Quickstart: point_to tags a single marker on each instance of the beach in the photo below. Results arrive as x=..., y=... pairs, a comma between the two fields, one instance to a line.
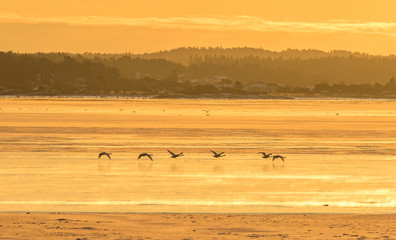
x=89, y=226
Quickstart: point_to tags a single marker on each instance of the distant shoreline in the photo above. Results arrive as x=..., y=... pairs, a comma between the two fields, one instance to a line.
x=205, y=96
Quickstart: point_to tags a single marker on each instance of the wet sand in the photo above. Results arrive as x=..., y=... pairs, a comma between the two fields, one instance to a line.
x=340, y=159
x=91, y=226
x=340, y=155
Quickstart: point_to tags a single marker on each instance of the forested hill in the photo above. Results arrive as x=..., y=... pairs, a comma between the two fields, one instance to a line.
x=192, y=67
x=185, y=55
x=294, y=67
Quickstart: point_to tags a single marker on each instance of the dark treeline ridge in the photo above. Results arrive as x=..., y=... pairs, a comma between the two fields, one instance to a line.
x=198, y=71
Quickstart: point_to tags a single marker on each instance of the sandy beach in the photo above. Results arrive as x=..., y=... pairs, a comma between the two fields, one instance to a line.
x=195, y=226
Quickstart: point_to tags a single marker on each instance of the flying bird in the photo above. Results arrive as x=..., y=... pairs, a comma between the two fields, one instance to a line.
x=217, y=155
x=147, y=155
x=175, y=155
x=278, y=156
x=104, y=153
x=265, y=155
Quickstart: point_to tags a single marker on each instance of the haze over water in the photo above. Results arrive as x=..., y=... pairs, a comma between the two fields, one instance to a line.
x=340, y=155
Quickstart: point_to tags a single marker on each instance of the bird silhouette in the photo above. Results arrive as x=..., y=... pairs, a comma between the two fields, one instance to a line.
x=265, y=155
x=104, y=153
x=217, y=155
x=175, y=155
x=278, y=156
x=147, y=155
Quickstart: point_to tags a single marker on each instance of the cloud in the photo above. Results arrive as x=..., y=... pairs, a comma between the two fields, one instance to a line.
x=237, y=23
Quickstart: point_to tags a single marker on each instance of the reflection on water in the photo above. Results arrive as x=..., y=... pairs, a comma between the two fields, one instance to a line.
x=342, y=163
x=104, y=165
x=145, y=166
x=273, y=167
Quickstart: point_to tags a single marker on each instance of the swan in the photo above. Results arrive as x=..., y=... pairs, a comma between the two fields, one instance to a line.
x=217, y=155
x=278, y=156
x=175, y=155
x=104, y=153
x=146, y=154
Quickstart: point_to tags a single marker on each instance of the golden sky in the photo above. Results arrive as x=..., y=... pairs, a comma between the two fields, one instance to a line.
x=139, y=26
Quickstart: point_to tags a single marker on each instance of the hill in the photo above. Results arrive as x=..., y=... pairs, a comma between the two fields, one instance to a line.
x=207, y=71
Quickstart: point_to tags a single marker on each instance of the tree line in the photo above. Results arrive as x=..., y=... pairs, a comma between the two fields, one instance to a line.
x=293, y=67
x=294, y=72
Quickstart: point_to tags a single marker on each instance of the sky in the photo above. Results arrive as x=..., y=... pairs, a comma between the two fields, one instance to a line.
x=138, y=26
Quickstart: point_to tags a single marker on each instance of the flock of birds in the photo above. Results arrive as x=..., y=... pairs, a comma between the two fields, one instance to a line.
x=215, y=155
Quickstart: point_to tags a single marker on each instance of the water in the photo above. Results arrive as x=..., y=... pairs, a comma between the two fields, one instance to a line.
x=340, y=155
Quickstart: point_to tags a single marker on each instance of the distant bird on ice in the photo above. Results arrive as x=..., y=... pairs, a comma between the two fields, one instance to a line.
x=278, y=156
x=217, y=155
x=265, y=155
x=147, y=155
x=175, y=155
x=104, y=153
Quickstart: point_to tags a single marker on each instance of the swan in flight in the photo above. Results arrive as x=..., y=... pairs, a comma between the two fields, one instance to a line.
x=146, y=154
x=217, y=155
x=278, y=156
x=104, y=153
x=265, y=155
x=175, y=155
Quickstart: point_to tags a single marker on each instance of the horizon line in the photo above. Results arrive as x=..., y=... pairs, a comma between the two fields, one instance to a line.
x=202, y=48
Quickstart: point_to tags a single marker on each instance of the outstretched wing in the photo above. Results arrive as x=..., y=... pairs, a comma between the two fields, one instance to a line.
x=142, y=154
x=171, y=152
x=100, y=154
x=221, y=153
x=213, y=152
x=108, y=155
x=149, y=156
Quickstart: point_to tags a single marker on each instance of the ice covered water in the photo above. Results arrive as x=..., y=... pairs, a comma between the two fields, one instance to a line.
x=340, y=155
